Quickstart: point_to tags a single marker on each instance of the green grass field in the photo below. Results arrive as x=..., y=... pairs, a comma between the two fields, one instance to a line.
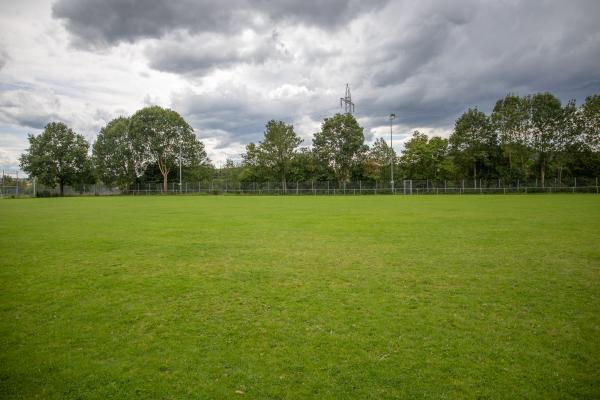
x=300, y=297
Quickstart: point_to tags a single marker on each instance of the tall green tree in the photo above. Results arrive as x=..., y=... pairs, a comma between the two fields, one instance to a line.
x=510, y=119
x=416, y=157
x=57, y=156
x=377, y=164
x=340, y=145
x=472, y=142
x=549, y=129
x=589, y=122
x=252, y=167
x=425, y=158
x=162, y=137
x=231, y=172
x=277, y=150
x=584, y=154
x=305, y=166
x=112, y=154
x=441, y=163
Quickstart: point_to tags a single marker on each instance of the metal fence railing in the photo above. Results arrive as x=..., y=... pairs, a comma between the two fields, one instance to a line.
x=29, y=188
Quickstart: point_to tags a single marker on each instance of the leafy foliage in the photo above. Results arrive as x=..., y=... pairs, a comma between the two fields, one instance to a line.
x=523, y=138
x=57, y=156
x=472, y=142
x=340, y=145
x=113, y=153
x=162, y=137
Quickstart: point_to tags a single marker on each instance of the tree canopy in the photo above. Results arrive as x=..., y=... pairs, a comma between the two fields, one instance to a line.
x=162, y=137
x=524, y=137
x=340, y=145
x=57, y=156
x=112, y=154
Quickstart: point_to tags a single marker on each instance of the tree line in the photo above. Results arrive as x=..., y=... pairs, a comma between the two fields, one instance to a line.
x=529, y=137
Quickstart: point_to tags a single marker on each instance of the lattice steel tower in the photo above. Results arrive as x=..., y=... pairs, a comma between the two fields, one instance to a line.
x=346, y=101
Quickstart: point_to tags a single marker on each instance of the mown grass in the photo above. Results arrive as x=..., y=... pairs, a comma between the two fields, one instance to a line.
x=300, y=297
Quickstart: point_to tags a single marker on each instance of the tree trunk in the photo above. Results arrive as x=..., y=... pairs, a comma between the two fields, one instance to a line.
x=560, y=173
x=62, y=188
x=475, y=174
x=543, y=172
x=165, y=183
x=283, y=183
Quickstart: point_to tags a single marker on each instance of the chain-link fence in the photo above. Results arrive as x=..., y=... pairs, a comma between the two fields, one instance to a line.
x=30, y=188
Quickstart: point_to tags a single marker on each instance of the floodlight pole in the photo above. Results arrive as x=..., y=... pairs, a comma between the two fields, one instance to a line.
x=392, y=116
x=180, y=184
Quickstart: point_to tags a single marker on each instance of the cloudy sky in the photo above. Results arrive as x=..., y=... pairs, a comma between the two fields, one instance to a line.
x=229, y=66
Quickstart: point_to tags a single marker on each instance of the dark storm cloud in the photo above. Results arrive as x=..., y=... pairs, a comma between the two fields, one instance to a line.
x=226, y=119
x=427, y=61
x=107, y=22
x=180, y=54
x=228, y=116
x=445, y=60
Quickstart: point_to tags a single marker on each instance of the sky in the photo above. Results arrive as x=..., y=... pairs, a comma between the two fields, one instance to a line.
x=230, y=66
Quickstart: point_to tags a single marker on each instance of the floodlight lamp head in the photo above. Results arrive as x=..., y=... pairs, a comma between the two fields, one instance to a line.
x=392, y=116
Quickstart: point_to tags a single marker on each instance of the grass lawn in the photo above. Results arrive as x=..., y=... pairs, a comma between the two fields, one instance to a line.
x=363, y=297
